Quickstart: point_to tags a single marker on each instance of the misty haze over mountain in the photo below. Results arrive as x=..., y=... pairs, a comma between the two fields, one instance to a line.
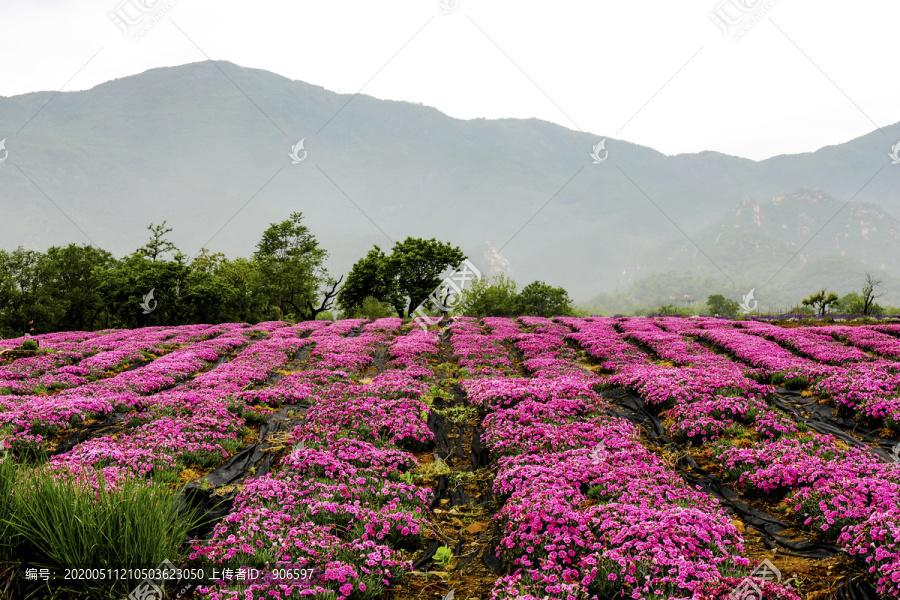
x=522, y=197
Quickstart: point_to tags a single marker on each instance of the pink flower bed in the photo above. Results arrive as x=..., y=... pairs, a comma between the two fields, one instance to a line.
x=339, y=506
x=840, y=492
x=590, y=512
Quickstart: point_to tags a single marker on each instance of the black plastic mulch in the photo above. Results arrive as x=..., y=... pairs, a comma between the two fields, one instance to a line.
x=632, y=407
x=856, y=589
x=138, y=365
x=113, y=423
x=426, y=556
x=823, y=418
x=459, y=445
x=255, y=460
x=252, y=462
x=355, y=332
x=301, y=355
x=379, y=360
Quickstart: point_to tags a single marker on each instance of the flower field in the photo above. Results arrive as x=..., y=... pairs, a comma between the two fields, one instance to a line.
x=573, y=458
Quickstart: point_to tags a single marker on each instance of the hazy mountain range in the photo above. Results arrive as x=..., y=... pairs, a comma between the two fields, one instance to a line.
x=200, y=143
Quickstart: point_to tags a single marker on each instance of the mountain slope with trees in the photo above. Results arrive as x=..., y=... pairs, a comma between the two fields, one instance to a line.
x=184, y=144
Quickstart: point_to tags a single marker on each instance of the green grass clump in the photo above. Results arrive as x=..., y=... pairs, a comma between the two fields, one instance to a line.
x=51, y=520
x=7, y=481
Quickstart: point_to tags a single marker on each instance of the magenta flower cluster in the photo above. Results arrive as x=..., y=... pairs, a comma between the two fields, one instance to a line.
x=339, y=506
x=846, y=494
x=590, y=512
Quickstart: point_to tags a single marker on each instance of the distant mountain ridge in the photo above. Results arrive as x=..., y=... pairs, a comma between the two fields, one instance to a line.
x=186, y=145
x=754, y=241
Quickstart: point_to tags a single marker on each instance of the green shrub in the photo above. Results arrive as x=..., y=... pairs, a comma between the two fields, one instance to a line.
x=29, y=345
x=251, y=417
x=58, y=522
x=669, y=310
x=795, y=382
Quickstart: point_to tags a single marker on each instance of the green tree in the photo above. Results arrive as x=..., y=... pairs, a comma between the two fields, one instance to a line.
x=404, y=279
x=370, y=308
x=144, y=288
x=496, y=297
x=851, y=304
x=820, y=301
x=250, y=304
x=57, y=289
x=158, y=244
x=126, y=286
x=370, y=277
x=537, y=299
x=81, y=287
x=8, y=319
x=205, y=262
x=868, y=294
x=24, y=293
x=418, y=265
x=291, y=269
x=854, y=304
x=205, y=298
x=720, y=305
x=71, y=281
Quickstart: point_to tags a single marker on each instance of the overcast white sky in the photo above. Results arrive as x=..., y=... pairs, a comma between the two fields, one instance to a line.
x=654, y=72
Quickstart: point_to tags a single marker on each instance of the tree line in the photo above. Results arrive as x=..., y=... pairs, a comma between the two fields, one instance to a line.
x=818, y=303
x=83, y=288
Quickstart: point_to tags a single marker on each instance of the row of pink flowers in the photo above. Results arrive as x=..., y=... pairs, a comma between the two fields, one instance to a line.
x=479, y=354
x=178, y=426
x=590, y=512
x=339, y=507
x=846, y=494
x=29, y=419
